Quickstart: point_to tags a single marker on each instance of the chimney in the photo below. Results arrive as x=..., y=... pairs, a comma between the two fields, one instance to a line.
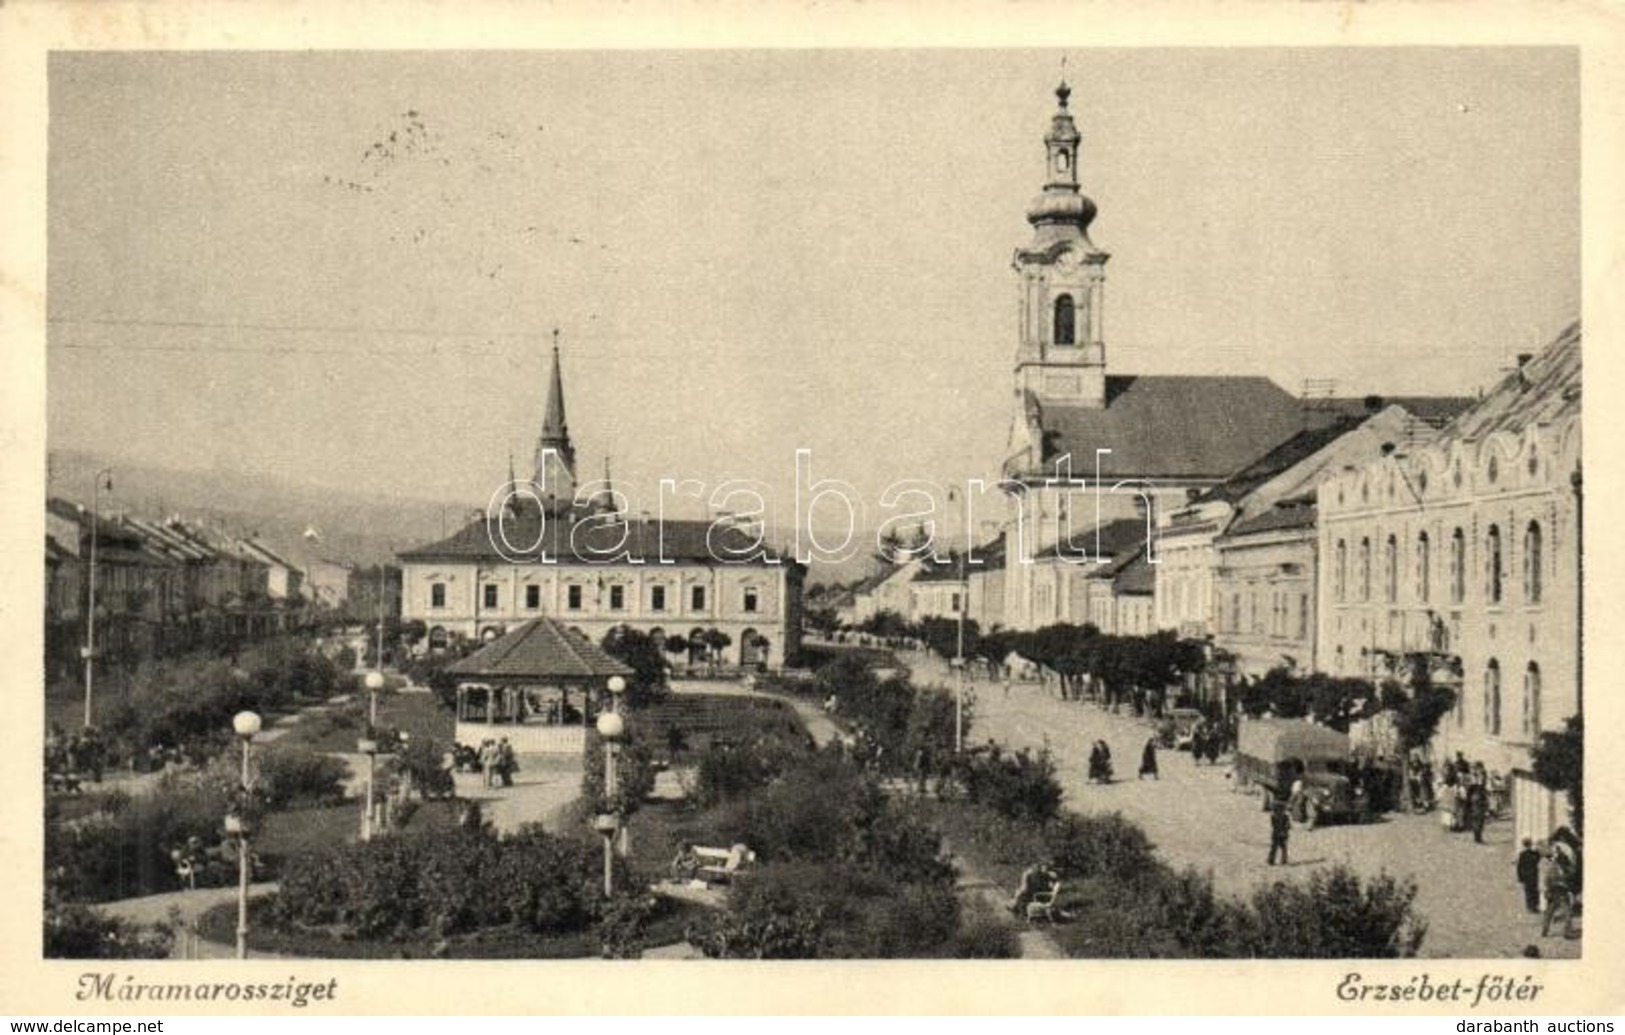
x=1524, y=358
x=1373, y=403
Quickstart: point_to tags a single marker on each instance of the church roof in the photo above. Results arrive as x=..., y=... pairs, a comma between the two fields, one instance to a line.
x=589, y=541
x=541, y=648
x=1171, y=426
x=1134, y=576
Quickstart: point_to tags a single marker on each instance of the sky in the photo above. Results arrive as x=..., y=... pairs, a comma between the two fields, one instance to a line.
x=346, y=268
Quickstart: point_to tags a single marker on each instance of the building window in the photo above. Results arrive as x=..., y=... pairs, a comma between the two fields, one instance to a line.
x=1531, y=701
x=1303, y=616
x=953, y=608
x=1458, y=566
x=1424, y=569
x=1365, y=570
x=1390, y=575
x=572, y=598
x=617, y=598
x=1235, y=612
x=696, y=598
x=533, y=597
x=1531, y=563
x=1065, y=317
x=1492, y=565
x=753, y=599
x=657, y=598
x=490, y=595
x=1492, y=698
x=1340, y=573
x=437, y=595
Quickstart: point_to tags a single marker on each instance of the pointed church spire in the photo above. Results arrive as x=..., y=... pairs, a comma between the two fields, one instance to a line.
x=555, y=476
x=606, y=495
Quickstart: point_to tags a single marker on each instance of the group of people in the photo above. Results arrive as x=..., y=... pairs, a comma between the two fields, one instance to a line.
x=1466, y=791
x=1552, y=868
x=71, y=757
x=1210, y=739
x=493, y=759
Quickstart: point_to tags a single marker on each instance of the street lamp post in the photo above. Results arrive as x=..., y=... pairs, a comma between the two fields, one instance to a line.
x=105, y=474
x=246, y=725
x=959, y=658
x=611, y=727
x=368, y=746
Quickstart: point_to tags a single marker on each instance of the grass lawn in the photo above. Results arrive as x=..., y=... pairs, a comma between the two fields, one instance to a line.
x=220, y=925
x=705, y=719
x=339, y=727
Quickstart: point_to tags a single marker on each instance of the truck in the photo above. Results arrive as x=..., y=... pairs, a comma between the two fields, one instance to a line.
x=1275, y=754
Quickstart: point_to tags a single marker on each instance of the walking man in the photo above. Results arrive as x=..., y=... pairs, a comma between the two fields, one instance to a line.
x=1529, y=875
x=1280, y=828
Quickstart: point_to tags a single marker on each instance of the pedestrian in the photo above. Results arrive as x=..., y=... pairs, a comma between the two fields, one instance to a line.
x=1529, y=875
x=1148, y=759
x=1280, y=829
x=507, y=764
x=1478, y=810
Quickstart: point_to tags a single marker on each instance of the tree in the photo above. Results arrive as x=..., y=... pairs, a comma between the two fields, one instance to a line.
x=638, y=650
x=1559, y=763
x=716, y=641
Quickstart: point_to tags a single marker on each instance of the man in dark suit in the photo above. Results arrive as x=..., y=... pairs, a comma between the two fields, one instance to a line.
x=1280, y=828
x=1529, y=875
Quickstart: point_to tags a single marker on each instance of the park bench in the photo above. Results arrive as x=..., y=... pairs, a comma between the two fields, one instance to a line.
x=1046, y=905
x=721, y=865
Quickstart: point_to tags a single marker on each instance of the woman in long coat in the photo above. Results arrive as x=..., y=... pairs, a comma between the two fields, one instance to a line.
x=1148, y=759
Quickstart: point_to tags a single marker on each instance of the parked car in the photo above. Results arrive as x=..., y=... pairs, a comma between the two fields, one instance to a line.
x=1182, y=725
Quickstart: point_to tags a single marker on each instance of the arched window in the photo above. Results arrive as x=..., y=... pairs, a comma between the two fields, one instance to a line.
x=1390, y=563
x=1340, y=573
x=1531, y=563
x=1492, y=698
x=1531, y=701
x=1365, y=569
x=1065, y=332
x=1458, y=566
x=1424, y=569
x=1492, y=565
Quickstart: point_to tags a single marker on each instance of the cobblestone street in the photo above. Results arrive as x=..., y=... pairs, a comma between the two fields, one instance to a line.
x=1467, y=892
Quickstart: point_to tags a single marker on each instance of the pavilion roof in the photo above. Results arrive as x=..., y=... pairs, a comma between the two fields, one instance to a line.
x=543, y=649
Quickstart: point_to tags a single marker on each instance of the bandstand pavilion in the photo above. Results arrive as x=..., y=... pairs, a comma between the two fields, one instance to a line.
x=540, y=686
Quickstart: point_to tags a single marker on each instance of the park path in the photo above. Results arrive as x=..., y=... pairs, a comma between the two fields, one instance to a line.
x=182, y=910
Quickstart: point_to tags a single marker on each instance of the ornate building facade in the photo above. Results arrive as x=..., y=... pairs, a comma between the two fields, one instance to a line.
x=593, y=568
x=1466, y=554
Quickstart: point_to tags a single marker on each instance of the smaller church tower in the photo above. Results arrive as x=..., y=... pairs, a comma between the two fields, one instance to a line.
x=554, y=474
x=1061, y=356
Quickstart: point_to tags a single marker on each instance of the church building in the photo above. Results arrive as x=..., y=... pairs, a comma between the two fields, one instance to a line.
x=1141, y=443
x=550, y=551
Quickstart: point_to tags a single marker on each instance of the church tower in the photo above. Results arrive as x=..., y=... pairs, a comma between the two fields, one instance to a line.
x=1061, y=356
x=554, y=475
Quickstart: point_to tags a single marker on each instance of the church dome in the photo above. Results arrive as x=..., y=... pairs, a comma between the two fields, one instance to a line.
x=1064, y=207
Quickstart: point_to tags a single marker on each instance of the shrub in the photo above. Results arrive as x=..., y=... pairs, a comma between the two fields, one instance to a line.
x=295, y=777
x=421, y=760
x=1106, y=846
x=444, y=883
x=127, y=853
x=808, y=911
x=1333, y=915
x=1020, y=786
x=79, y=932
